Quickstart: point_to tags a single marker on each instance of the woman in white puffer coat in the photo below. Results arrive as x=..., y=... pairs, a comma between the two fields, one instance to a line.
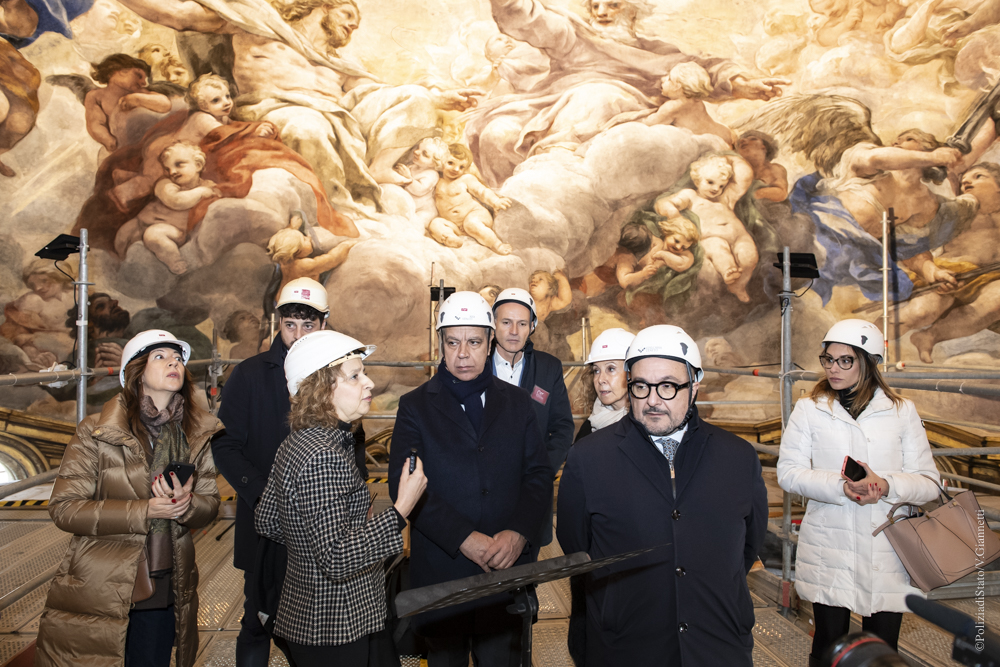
x=840, y=567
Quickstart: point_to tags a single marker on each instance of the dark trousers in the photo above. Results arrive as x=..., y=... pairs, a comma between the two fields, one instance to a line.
x=150, y=637
x=253, y=644
x=499, y=649
x=354, y=654
x=832, y=623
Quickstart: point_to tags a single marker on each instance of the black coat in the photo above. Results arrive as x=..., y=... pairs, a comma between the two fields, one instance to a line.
x=254, y=412
x=551, y=404
x=498, y=481
x=686, y=604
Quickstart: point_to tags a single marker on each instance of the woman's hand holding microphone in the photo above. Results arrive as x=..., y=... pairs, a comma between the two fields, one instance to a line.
x=411, y=487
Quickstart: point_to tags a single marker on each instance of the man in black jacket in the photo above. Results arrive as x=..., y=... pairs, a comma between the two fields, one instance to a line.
x=489, y=487
x=515, y=360
x=663, y=478
x=254, y=412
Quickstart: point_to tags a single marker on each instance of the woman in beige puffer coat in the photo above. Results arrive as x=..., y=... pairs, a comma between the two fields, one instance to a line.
x=109, y=494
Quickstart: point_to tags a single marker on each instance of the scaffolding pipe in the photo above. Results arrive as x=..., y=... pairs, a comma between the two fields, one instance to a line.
x=885, y=285
x=971, y=481
x=28, y=586
x=903, y=365
x=925, y=375
x=82, y=311
x=787, y=385
x=967, y=451
x=29, y=483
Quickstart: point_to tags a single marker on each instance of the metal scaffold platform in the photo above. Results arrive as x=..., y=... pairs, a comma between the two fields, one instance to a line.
x=30, y=545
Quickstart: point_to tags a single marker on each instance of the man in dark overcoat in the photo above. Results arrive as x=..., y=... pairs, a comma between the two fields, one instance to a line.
x=254, y=412
x=664, y=478
x=515, y=360
x=489, y=486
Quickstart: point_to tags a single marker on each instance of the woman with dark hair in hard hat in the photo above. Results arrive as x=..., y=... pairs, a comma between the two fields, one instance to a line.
x=133, y=483
x=317, y=504
x=852, y=412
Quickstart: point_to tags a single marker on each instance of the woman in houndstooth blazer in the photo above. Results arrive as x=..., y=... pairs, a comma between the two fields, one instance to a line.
x=317, y=504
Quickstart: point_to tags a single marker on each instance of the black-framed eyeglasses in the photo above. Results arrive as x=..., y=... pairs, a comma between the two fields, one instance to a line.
x=845, y=363
x=665, y=390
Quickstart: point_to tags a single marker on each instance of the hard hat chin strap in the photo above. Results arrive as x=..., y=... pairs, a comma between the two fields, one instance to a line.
x=691, y=396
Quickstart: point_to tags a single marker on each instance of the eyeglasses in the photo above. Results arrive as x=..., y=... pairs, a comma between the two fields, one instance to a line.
x=665, y=390
x=845, y=363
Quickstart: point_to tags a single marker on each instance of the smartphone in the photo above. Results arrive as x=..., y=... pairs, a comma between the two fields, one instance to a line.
x=852, y=470
x=413, y=460
x=182, y=470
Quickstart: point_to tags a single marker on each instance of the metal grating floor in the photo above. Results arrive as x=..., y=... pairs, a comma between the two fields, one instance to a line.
x=29, y=547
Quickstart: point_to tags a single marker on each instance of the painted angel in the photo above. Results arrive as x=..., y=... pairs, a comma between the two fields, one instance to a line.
x=857, y=179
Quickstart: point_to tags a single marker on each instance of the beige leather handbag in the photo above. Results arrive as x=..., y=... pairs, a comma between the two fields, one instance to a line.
x=943, y=545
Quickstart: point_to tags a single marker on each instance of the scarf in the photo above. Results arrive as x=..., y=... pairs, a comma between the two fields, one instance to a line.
x=468, y=393
x=846, y=398
x=168, y=444
x=605, y=415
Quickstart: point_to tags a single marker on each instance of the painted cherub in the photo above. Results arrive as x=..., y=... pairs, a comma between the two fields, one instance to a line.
x=719, y=182
x=758, y=149
x=36, y=320
x=647, y=254
x=295, y=254
x=162, y=225
x=551, y=292
x=424, y=171
x=242, y=329
x=125, y=80
x=172, y=70
x=457, y=197
x=212, y=103
x=686, y=87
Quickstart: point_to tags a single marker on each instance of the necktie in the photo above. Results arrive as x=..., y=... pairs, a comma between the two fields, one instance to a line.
x=669, y=448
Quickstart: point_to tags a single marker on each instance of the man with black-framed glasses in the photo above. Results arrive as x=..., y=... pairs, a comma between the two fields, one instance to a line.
x=664, y=478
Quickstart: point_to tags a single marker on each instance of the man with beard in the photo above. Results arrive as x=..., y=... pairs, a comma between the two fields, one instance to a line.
x=663, y=478
x=489, y=487
x=599, y=68
x=105, y=331
x=326, y=108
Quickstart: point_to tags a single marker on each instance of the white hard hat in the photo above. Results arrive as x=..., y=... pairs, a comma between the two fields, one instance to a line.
x=669, y=342
x=858, y=333
x=146, y=341
x=319, y=350
x=517, y=295
x=465, y=309
x=610, y=345
x=305, y=291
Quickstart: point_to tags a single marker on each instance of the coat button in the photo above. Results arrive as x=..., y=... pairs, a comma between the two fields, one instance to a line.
x=485, y=492
x=683, y=627
x=675, y=515
x=680, y=572
x=244, y=480
x=481, y=448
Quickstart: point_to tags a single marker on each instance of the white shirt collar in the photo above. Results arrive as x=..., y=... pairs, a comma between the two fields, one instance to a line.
x=511, y=374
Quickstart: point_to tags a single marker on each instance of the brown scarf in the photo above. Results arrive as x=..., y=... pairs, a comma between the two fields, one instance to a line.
x=168, y=444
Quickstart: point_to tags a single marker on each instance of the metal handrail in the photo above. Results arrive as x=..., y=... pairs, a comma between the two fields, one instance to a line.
x=28, y=483
x=27, y=587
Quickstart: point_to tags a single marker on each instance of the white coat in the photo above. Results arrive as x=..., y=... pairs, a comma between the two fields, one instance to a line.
x=839, y=563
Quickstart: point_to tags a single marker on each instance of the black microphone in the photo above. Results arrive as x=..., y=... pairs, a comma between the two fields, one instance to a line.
x=985, y=642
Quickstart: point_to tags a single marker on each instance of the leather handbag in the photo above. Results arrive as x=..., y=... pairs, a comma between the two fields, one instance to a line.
x=940, y=546
x=144, y=586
